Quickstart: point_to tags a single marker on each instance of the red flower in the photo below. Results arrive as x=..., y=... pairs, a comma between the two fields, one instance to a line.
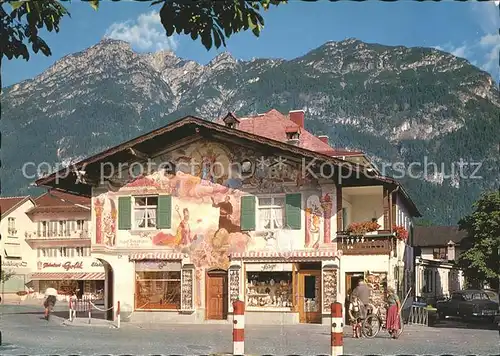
x=361, y=228
x=401, y=232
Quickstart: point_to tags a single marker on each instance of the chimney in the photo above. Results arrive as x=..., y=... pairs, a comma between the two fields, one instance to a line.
x=297, y=116
x=323, y=138
x=451, y=251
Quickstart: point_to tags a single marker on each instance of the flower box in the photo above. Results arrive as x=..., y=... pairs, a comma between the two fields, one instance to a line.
x=362, y=228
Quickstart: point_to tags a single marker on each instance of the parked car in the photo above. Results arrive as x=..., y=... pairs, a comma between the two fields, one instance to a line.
x=469, y=303
x=492, y=295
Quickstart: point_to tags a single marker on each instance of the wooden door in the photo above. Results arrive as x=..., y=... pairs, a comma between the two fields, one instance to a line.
x=216, y=295
x=310, y=296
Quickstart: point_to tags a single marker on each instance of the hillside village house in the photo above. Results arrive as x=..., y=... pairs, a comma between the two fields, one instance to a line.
x=436, y=251
x=229, y=215
x=61, y=244
x=17, y=256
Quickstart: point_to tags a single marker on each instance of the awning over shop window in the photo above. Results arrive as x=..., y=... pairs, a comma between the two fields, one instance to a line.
x=71, y=276
x=292, y=255
x=156, y=256
x=12, y=250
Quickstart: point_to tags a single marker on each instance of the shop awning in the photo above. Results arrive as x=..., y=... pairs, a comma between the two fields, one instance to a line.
x=12, y=250
x=293, y=255
x=156, y=256
x=90, y=276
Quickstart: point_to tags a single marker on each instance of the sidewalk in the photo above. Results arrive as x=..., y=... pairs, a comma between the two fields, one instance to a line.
x=84, y=322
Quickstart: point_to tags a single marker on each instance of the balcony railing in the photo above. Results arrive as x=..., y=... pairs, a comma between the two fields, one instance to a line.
x=77, y=234
x=380, y=242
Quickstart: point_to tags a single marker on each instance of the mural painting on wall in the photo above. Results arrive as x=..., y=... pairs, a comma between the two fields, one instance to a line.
x=314, y=219
x=106, y=214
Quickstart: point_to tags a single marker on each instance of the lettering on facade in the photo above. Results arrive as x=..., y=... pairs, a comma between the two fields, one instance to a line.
x=96, y=264
x=66, y=265
x=15, y=264
x=269, y=267
x=134, y=243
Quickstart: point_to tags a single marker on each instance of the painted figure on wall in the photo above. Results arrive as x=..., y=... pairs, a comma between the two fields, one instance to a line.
x=225, y=211
x=183, y=235
x=106, y=215
x=314, y=217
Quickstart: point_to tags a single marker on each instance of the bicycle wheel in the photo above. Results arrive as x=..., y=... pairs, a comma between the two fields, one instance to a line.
x=371, y=326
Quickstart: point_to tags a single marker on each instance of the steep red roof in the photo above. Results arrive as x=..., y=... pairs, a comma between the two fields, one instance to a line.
x=8, y=204
x=56, y=200
x=274, y=125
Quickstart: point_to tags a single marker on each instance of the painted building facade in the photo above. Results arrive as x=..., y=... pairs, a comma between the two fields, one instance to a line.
x=225, y=215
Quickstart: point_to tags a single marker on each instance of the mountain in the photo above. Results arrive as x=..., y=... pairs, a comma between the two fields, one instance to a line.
x=400, y=105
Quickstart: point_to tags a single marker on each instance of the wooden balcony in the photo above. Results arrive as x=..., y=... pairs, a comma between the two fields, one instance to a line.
x=380, y=243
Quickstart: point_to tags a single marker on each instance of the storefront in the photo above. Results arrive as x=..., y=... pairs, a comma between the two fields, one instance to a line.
x=84, y=276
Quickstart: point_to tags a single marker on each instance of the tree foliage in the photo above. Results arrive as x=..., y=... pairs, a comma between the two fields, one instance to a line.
x=5, y=276
x=480, y=258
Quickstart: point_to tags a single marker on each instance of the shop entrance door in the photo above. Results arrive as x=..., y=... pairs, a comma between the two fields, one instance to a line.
x=351, y=282
x=310, y=297
x=216, y=295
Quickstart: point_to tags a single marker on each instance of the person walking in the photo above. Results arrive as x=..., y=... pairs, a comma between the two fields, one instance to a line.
x=363, y=293
x=393, y=312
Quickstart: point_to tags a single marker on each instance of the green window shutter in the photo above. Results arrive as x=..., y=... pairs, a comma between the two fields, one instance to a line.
x=124, y=213
x=164, y=212
x=247, y=213
x=293, y=211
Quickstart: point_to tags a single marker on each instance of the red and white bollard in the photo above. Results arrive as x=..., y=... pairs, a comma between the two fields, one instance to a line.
x=70, y=310
x=90, y=311
x=337, y=329
x=118, y=318
x=238, y=328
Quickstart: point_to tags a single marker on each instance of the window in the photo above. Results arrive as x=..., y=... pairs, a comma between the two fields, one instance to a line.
x=145, y=212
x=44, y=228
x=62, y=228
x=271, y=213
x=476, y=296
x=428, y=273
x=79, y=251
x=269, y=290
x=63, y=252
x=12, y=226
x=158, y=285
x=345, y=219
x=440, y=253
x=79, y=225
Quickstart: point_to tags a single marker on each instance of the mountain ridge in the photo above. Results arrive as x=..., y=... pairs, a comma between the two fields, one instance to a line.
x=395, y=103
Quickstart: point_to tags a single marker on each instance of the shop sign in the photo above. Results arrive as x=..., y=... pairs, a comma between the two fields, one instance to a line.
x=157, y=266
x=134, y=243
x=15, y=264
x=96, y=264
x=66, y=265
x=268, y=267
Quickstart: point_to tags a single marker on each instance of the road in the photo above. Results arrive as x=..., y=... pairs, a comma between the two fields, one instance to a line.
x=25, y=332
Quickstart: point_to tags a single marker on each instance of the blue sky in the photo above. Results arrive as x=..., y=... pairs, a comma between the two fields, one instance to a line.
x=468, y=30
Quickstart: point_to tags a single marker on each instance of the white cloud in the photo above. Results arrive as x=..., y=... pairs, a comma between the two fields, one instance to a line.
x=145, y=33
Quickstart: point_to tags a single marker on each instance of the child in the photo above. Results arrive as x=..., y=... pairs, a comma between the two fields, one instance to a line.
x=355, y=316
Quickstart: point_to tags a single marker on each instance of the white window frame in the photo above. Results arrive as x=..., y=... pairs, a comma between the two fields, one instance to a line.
x=61, y=228
x=146, y=208
x=260, y=224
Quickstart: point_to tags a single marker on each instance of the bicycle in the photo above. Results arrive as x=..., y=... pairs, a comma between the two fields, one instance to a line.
x=376, y=321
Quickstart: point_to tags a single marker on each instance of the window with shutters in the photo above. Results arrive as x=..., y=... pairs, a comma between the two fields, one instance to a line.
x=44, y=228
x=271, y=212
x=62, y=229
x=79, y=225
x=145, y=212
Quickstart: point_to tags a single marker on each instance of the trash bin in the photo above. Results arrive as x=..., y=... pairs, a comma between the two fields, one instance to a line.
x=431, y=316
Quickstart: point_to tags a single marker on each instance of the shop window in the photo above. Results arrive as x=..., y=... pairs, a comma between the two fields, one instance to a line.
x=440, y=253
x=158, y=286
x=269, y=290
x=145, y=212
x=271, y=213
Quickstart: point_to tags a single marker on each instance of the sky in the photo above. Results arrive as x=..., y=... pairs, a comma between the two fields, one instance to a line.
x=465, y=29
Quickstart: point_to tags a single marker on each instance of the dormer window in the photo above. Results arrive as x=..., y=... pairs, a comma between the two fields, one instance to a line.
x=231, y=121
x=292, y=133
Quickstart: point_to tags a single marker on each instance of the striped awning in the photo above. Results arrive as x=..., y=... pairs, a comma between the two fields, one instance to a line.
x=156, y=256
x=295, y=255
x=89, y=276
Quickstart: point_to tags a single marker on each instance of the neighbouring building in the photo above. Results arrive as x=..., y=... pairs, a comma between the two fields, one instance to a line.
x=194, y=215
x=60, y=242
x=436, y=251
x=17, y=256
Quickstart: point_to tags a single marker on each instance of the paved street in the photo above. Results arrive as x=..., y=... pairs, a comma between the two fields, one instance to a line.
x=25, y=332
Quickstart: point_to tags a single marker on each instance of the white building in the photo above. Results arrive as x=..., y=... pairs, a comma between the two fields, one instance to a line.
x=436, y=273
x=17, y=256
